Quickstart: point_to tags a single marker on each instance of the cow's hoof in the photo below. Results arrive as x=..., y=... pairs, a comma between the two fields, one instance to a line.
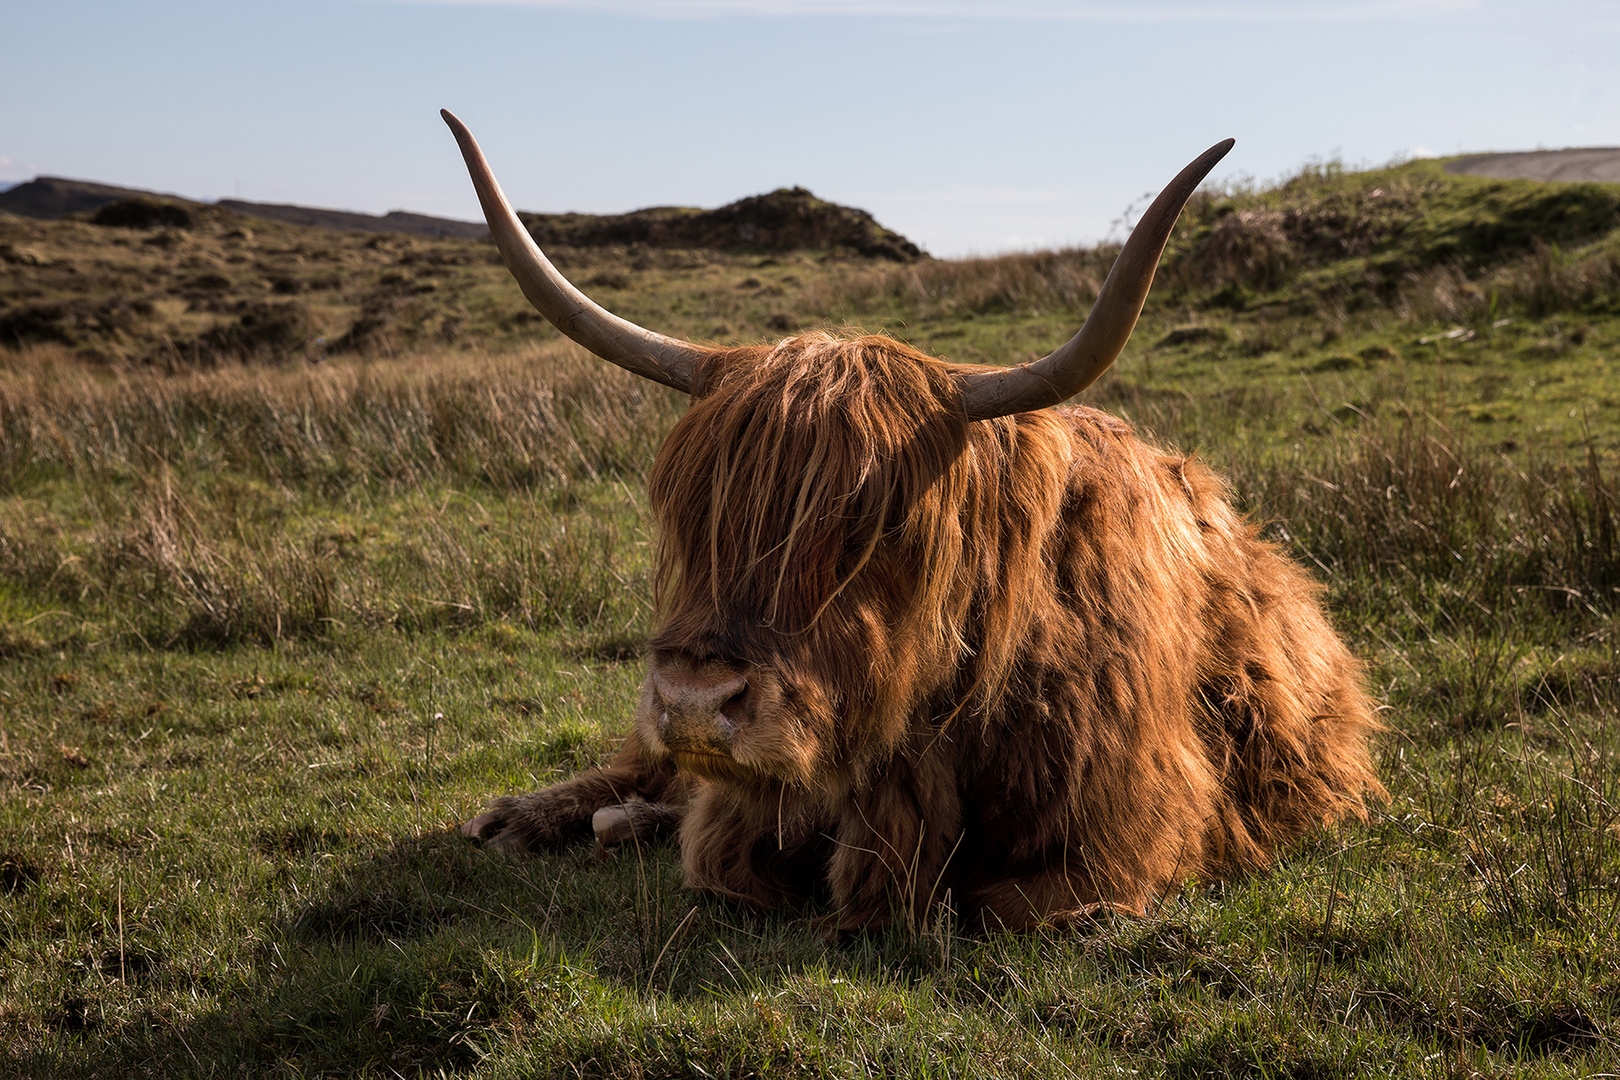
x=509, y=840
x=482, y=826
x=612, y=826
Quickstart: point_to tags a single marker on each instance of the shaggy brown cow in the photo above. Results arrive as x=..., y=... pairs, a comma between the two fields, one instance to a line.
x=926, y=639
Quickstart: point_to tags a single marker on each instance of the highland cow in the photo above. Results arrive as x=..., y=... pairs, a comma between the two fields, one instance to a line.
x=928, y=639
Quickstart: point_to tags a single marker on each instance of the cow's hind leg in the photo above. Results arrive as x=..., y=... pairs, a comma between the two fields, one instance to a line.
x=650, y=794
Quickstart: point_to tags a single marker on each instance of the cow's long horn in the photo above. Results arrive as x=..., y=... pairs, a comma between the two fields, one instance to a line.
x=662, y=359
x=1077, y=364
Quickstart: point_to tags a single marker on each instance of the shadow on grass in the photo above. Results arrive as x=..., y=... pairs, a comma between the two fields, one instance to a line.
x=433, y=955
x=428, y=955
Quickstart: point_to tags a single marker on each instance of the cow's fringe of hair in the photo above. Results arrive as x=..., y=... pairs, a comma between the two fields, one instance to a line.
x=850, y=443
x=841, y=445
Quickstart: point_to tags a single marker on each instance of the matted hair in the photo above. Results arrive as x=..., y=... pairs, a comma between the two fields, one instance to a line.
x=800, y=464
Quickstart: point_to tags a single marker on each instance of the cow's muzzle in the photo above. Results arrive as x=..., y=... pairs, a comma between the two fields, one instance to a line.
x=697, y=705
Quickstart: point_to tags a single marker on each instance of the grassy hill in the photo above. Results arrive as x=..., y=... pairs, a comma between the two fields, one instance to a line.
x=1453, y=246
x=311, y=541
x=52, y=198
x=1504, y=290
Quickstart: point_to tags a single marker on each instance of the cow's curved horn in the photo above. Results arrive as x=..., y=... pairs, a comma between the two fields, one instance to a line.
x=662, y=359
x=1076, y=365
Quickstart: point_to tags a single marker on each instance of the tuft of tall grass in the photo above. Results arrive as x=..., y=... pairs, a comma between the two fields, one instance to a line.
x=1551, y=279
x=1029, y=282
x=1409, y=502
x=549, y=413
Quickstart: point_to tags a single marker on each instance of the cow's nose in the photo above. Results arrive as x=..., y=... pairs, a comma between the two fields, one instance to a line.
x=698, y=707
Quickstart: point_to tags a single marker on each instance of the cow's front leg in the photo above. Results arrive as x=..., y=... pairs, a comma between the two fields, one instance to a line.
x=766, y=847
x=635, y=795
x=635, y=819
x=895, y=840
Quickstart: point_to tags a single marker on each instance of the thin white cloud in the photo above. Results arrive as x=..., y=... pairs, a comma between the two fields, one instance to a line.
x=1077, y=10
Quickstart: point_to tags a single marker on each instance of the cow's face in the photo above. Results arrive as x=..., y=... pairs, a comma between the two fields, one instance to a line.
x=806, y=571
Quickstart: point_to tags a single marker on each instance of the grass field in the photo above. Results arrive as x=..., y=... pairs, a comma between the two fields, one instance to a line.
x=269, y=629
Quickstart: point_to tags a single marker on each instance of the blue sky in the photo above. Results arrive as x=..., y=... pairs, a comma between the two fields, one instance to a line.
x=970, y=126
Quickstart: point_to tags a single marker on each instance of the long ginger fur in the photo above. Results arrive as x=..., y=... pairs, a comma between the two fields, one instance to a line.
x=1031, y=664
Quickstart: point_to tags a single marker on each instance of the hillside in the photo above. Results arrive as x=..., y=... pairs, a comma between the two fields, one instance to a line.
x=128, y=276
x=52, y=198
x=1398, y=235
x=1600, y=164
x=788, y=219
x=148, y=281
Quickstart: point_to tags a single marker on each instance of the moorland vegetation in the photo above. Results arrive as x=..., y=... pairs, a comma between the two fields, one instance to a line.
x=310, y=541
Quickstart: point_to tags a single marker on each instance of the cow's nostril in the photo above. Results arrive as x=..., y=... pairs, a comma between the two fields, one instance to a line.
x=732, y=707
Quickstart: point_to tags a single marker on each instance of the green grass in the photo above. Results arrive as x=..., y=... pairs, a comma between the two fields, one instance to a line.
x=267, y=633
x=243, y=856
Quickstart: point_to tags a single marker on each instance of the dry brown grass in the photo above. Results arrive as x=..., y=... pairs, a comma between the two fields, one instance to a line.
x=544, y=414
x=1035, y=282
x=262, y=504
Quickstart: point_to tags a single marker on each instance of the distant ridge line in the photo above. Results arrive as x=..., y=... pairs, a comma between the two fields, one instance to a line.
x=398, y=221
x=786, y=219
x=55, y=197
x=1587, y=164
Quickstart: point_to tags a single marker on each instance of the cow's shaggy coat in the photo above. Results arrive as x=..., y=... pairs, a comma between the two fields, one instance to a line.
x=1031, y=665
